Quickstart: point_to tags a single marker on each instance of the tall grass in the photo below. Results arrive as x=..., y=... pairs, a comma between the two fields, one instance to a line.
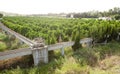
x=9, y=42
x=2, y=44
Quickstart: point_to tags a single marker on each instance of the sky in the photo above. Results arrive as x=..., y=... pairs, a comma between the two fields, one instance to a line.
x=56, y=6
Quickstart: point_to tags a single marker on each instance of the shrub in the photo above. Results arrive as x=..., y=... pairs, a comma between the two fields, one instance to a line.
x=77, y=44
x=2, y=36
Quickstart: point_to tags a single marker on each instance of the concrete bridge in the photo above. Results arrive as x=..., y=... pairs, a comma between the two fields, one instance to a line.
x=40, y=53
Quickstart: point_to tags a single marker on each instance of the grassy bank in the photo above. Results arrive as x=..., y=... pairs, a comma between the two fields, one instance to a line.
x=9, y=42
x=102, y=59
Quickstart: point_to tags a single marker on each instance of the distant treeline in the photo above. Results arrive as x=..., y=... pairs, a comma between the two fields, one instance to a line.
x=114, y=13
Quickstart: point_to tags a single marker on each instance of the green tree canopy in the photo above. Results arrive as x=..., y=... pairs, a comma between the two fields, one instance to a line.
x=1, y=15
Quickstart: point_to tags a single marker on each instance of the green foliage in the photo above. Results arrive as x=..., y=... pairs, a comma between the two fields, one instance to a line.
x=117, y=17
x=77, y=44
x=2, y=46
x=48, y=40
x=9, y=42
x=51, y=29
x=53, y=40
x=66, y=38
x=1, y=15
x=2, y=37
x=96, y=14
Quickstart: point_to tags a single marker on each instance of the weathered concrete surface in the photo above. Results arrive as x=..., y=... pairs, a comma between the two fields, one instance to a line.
x=40, y=55
x=15, y=53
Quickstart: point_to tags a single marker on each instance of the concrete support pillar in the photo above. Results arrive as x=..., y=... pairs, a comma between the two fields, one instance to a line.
x=35, y=57
x=40, y=55
x=45, y=53
x=62, y=51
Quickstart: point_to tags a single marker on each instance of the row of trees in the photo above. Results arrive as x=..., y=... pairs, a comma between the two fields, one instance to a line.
x=114, y=13
x=55, y=30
